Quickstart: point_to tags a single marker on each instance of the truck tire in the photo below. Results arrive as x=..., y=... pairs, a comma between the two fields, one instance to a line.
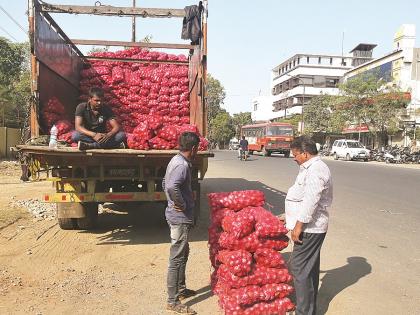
x=88, y=222
x=287, y=154
x=67, y=223
x=335, y=156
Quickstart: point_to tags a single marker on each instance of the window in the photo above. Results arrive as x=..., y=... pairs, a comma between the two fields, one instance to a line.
x=298, y=61
x=331, y=60
x=255, y=107
x=307, y=60
x=319, y=60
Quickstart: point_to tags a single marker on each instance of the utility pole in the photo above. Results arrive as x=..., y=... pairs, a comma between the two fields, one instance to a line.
x=133, y=25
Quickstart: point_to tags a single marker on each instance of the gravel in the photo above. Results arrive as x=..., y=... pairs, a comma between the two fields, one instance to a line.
x=36, y=207
x=40, y=209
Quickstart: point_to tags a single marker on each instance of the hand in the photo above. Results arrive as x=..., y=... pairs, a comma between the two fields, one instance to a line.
x=106, y=137
x=296, y=232
x=98, y=137
x=178, y=208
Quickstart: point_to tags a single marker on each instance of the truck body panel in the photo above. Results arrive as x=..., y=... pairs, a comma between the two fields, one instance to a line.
x=86, y=178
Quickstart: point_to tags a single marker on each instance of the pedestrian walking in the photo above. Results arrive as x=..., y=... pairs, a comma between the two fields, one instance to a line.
x=307, y=219
x=180, y=217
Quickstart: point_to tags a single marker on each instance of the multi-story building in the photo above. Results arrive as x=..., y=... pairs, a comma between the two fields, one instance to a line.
x=295, y=81
x=400, y=68
x=262, y=109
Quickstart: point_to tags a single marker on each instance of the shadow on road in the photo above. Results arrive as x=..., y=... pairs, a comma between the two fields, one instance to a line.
x=202, y=294
x=128, y=224
x=338, y=279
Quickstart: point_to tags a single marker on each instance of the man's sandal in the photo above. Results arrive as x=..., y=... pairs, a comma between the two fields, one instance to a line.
x=180, y=308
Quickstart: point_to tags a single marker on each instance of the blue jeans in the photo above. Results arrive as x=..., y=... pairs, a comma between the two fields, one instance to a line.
x=178, y=257
x=113, y=142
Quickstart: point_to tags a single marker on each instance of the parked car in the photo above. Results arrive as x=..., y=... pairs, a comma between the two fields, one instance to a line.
x=234, y=144
x=349, y=150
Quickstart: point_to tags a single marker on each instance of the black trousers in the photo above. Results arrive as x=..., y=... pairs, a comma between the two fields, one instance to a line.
x=305, y=269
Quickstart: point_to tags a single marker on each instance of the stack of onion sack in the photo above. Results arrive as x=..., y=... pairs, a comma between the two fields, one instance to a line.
x=151, y=101
x=250, y=275
x=53, y=113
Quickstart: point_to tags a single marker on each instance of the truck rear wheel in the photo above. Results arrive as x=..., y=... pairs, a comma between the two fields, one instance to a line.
x=67, y=223
x=287, y=154
x=89, y=221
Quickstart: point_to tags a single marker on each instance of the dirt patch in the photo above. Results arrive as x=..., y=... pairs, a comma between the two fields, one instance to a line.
x=120, y=268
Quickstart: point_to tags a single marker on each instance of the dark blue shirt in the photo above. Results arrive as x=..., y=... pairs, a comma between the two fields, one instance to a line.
x=177, y=187
x=243, y=144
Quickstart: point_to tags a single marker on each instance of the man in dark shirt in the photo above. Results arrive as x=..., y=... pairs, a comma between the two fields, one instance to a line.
x=243, y=146
x=180, y=216
x=90, y=124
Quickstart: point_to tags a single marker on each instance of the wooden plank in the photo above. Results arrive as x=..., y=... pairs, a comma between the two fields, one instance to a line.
x=131, y=44
x=111, y=10
x=177, y=62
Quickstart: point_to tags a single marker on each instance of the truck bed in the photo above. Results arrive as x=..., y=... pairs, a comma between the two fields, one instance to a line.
x=123, y=153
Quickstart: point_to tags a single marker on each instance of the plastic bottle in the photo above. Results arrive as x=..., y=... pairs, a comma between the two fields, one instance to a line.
x=53, y=137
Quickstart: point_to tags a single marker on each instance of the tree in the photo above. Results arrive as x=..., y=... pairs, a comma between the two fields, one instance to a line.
x=14, y=83
x=369, y=101
x=293, y=120
x=215, y=97
x=223, y=129
x=12, y=61
x=239, y=120
x=320, y=116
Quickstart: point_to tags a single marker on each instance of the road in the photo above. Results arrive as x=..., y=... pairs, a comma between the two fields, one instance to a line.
x=370, y=260
x=371, y=257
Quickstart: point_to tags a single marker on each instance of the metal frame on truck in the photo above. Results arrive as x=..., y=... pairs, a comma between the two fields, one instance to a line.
x=81, y=179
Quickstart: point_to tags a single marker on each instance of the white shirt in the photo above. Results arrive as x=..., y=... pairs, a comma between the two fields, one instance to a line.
x=307, y=200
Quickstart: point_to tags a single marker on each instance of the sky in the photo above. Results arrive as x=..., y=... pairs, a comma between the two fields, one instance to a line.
x=246, y=39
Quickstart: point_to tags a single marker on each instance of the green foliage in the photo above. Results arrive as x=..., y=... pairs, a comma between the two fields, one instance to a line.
x=215, y=97
x=293, y=120
x=12, y=61
x=223, y=129
x=14, y=83
x=366, y=100
x=320, y=116
x=239, y=120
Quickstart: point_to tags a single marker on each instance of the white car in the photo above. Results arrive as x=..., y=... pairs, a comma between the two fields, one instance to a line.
x=349, y=150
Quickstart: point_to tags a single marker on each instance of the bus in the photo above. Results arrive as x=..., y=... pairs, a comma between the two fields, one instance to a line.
x=269, y=138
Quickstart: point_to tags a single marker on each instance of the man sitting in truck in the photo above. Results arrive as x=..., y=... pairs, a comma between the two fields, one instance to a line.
x=90, y=124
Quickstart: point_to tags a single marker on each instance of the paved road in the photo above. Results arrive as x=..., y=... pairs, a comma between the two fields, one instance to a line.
x=371, y=257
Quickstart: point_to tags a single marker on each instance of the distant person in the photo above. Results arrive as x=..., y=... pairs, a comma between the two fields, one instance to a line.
x=180, y=217
x=307, y=217
x=90, y=124
x=243, y=146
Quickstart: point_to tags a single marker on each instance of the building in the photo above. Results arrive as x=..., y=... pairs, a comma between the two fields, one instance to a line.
x=262, y=109
x=296, y=80
x=401, y=68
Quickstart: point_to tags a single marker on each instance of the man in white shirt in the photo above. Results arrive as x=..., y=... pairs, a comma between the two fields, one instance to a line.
x=307, y=219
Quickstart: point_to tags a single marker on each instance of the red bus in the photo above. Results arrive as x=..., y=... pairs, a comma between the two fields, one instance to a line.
x=269, y=138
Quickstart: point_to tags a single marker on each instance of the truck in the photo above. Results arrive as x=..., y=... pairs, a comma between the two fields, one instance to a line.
x=85, y=179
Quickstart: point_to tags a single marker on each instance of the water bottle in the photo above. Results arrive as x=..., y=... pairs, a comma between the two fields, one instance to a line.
x=53, y=137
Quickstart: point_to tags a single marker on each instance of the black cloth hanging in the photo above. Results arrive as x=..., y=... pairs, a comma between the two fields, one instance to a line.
x=191, y=24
